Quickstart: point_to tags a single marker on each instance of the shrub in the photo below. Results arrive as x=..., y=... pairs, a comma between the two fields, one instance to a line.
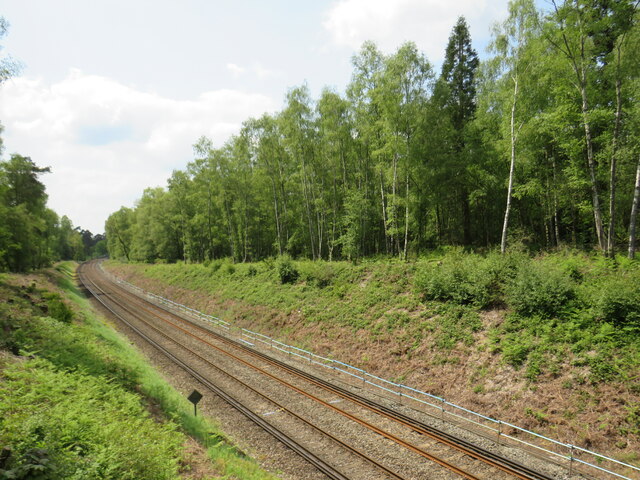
x=252, y=271
x=617, y=301
x=57, y=308
x=539, y=289
x=318, y=273
x=515, y=350
x=286, y=269
x=464, y=279
x=215, y=264
x=456, y=323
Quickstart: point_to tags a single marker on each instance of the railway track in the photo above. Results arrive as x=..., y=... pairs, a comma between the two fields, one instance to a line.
x=135, y=311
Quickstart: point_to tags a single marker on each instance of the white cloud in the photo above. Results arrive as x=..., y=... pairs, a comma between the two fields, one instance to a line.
x=235, y=69
x=256, y=69
x=106, y=142
x=263, y=72
x=389, y=23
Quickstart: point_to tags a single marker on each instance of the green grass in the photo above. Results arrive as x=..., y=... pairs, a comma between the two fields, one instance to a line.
x=72, y=425
x=84, y=354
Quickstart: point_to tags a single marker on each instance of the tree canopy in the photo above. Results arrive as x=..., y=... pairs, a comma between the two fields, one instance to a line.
x=405, y=161
x=31, y=234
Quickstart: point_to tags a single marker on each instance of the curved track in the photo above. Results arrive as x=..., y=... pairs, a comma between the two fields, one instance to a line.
x=154, y=323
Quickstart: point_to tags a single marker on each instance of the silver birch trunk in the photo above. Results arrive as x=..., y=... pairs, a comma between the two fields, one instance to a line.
x=512, y=167
x=556, y=223
x=581, y=77
x=394, y=207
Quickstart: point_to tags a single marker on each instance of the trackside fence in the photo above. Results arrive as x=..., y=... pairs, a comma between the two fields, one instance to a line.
x=576, y=460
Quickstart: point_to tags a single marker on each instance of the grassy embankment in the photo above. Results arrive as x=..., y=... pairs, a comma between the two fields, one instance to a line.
x=551, y=343
x=75, y=398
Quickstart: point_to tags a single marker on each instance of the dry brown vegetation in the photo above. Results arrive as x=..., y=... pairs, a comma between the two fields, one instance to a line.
x=458, y=353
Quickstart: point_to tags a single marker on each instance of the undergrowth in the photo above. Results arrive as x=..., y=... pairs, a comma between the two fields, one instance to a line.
x=560, y=307
x=75, y=410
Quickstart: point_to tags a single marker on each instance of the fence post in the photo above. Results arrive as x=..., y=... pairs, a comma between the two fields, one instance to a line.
x=570, y=460
x=499, y=430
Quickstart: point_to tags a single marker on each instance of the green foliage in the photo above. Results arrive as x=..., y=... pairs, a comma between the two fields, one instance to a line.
x=633, y=419
x=319, y=273
x=462, y=279
x=90, y=428
x=540, y=289
x=31, y=235
x=557, y=321
x=516, y=349
x=286, y=268
x=57, y=308
x=88, y=412
x=455, y=324
x=617, y=299
x=403, y=162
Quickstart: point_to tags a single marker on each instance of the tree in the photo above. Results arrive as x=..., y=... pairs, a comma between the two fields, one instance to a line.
x=8, y=66
x=297, y=124
x=457, y=92
x=405, y=88
x=26, y=221
x=119, y=233
x=510, y=44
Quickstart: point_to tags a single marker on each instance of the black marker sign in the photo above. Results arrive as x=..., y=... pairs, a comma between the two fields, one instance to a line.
x=194, y=398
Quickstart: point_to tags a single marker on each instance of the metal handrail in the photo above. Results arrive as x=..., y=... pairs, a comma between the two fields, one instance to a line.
x=372, y=380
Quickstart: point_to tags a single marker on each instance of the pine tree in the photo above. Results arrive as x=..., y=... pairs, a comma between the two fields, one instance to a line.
x=457, y=92
x=458, y=72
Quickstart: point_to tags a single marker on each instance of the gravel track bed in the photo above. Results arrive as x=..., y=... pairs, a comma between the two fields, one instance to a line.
x=395, y=457
x=392, y=455
x=275, y=457
x=432, y=419
x=243, y=433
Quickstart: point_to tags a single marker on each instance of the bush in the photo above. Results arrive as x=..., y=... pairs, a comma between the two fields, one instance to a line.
x=286, y=269
x=539, y=289
x=516, y=349
x=215, y=264
x=464, y=279
x=617, y=301
x=318, y=273
x=57, y=308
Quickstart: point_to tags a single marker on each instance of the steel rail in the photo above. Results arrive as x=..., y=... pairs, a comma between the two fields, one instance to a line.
x=508, y=466
x=373, y=428
x=309, y=456
x=278, y=405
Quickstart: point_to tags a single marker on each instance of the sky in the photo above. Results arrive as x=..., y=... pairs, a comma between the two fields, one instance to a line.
x=113, y=94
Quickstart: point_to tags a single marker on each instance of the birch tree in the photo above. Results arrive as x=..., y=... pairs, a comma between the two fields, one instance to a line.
x=510, y=44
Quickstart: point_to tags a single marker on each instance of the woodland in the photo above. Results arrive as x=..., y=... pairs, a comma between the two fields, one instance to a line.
x=536, y=145
x=32, y=235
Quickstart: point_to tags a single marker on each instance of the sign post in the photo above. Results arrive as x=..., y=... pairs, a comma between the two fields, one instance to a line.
x=195, y=398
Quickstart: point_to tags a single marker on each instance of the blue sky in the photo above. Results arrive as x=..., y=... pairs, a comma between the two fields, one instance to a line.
x=113, y=94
